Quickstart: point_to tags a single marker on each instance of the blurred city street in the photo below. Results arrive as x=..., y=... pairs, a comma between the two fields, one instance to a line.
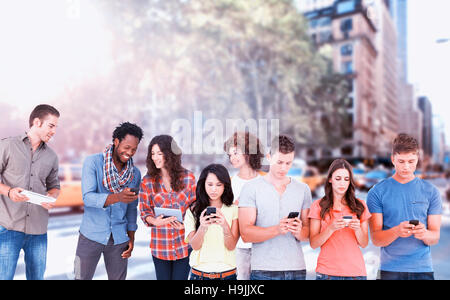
x=63, y=237
x=342, y=78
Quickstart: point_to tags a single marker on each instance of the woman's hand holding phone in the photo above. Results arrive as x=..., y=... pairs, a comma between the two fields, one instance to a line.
x=219, y=219
x=337, y=224
x=205, y=220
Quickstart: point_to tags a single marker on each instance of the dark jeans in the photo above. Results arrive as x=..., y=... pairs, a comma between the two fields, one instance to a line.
x=88, y=254
x=278, y=275
x=386, y=275
x=172, y=269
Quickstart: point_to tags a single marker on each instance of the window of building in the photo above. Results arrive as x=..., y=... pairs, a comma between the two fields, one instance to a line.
x=346, y=25
x=324, y=21
x=347, y=50
x=347, y=67
x=311, y=153
x=349, y=102
x=345, y=7
x=326, y=153
x=347, y=150
x=325, y=36
x=313, y=23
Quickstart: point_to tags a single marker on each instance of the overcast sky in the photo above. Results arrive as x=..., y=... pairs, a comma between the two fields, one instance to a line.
x=429, y=62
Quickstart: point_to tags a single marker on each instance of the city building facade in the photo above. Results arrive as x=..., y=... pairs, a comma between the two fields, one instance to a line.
x=359, y=52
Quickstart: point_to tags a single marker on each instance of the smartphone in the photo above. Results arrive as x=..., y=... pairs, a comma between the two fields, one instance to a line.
x=210, y=210
x=135, y=190
x=414, y=222
x=293, y=214
x=347, y=219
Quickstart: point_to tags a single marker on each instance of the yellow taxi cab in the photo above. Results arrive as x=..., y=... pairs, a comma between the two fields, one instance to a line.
x=307, y=174
x=312, y=178
x=70, y=180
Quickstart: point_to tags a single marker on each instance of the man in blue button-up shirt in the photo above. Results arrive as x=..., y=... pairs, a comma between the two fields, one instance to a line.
x=110, y=206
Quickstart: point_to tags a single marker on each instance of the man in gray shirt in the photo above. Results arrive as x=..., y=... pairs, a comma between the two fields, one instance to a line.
x=27, y=163
x=264, y=208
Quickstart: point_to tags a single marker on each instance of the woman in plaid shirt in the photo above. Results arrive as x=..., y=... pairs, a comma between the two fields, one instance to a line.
x=167, y=184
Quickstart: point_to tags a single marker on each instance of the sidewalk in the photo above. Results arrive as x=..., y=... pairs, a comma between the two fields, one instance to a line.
x=445, y=213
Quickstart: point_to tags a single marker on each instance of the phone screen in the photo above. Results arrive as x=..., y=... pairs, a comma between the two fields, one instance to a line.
x=210, y=210
x=293, y=214
x=135, y=190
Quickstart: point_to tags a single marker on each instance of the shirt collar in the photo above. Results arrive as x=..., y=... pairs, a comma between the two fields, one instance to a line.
x=24, y=137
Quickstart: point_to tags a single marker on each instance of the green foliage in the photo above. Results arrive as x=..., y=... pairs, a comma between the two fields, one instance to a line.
x=227, y=58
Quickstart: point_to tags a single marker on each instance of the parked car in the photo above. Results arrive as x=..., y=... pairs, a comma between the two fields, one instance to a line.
x=70, y=180
x=309, y=175
x=313, y=178
x=358, y=177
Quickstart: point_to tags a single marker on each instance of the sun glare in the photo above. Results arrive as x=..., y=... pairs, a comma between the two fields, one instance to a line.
x=47, y=46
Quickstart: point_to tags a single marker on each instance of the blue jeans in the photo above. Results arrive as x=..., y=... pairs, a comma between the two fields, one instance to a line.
x=34, y=247
x=387, y=275
x=278, y=275
x=320, y=276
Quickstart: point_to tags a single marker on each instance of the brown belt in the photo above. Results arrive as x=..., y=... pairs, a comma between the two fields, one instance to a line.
x=214, y=275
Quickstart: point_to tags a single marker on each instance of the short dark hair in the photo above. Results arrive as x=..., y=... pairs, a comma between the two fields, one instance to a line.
x=127, y=128
x=282, y=144
x=405, y=143
x=41, y=111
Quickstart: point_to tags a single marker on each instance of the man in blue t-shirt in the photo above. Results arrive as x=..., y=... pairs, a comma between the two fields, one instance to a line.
x=394, y=204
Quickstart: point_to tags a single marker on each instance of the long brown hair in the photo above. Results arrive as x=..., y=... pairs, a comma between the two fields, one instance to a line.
x=326, y=203
x=172, y=162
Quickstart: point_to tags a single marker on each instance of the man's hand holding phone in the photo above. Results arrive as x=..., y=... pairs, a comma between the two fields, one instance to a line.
x=404, y=229
x=295, y=227
x=127, y=196
x=295, y=224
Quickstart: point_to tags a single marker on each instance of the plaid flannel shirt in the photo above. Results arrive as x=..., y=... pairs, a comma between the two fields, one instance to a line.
x=166, y=243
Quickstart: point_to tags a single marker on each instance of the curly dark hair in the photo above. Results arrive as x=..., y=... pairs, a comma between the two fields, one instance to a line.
x=172, y=162
x=202, y=198
x=326, y=203
x=127, y=128
x=250, y=146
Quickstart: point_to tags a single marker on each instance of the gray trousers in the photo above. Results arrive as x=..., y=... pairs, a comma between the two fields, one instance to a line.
x=88, y=255
x=243, y=258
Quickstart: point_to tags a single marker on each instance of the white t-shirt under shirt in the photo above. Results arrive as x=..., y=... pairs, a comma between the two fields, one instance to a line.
x=237, y=183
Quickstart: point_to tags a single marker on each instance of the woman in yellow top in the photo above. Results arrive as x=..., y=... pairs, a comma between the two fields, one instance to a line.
x=213, y=237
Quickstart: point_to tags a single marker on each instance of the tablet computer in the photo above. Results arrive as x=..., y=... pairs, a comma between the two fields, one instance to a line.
x=36, y=198
x=169, y=212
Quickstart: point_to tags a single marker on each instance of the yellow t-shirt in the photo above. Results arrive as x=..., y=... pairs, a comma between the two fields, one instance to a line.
x=213, y=256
